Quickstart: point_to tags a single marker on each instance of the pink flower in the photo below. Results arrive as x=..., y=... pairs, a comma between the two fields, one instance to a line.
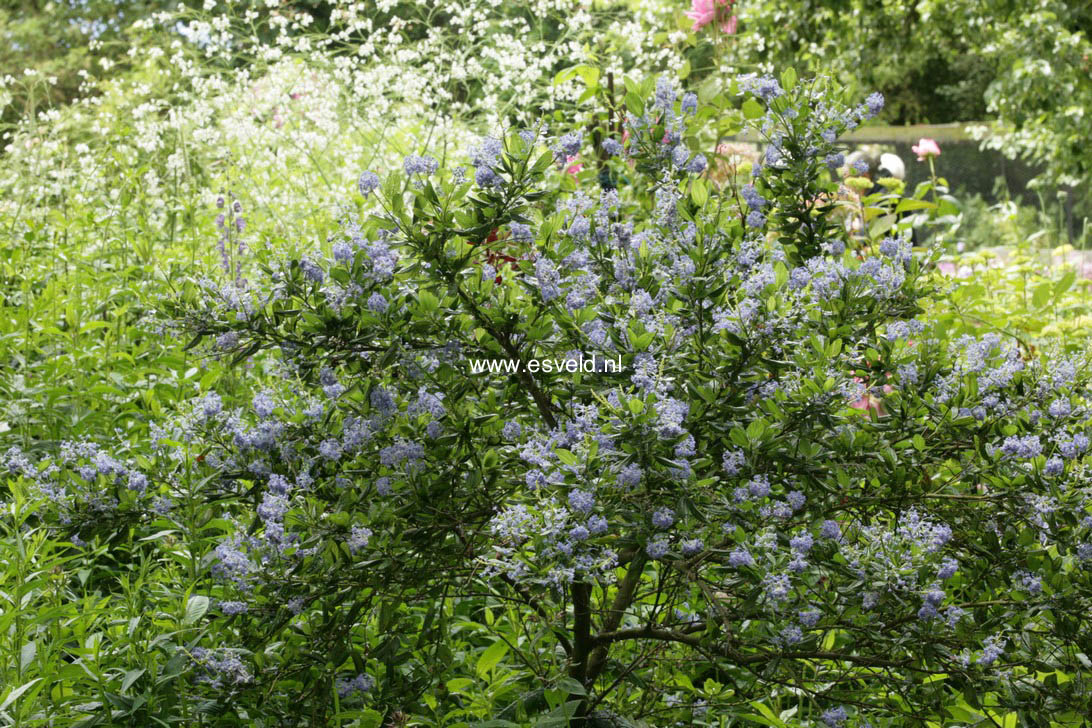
x=925, y=148
x=704, y=12
x=868, y=402
x=573, y=169
x=701, y=12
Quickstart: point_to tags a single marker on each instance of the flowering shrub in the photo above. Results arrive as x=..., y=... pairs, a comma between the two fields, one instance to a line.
x=713, y=524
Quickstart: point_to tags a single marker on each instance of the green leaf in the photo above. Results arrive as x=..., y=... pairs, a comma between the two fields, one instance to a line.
x=1064, y=284
x=588, y=74
x=752, y=109
x=908, y=204
x=698, y=192
x=570, y=686
x=14, y=694
x=26, y=655
x=1041, y=295
x=564, y=75
x=788, y=79
x=371, y=719
x=565, y=456
x=770, y=717
x=459, y=683
x=491, y=657
x=429, y=302
x=195, y=609
x=131, y=677
x=882, y=225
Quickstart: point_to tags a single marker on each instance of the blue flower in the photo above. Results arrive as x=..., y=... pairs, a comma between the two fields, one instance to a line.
x=692, y=546
x=791, y=635
x=367, y=183
x=740, y=556
x=1030, y=582
x=547, y=277
x=835, y=717
x=657, y=549
x=810, y=617
x=765, y=87
x=759, y=486
x=211, y=405
x=597, y=525
x=796, y=500
x=802, y=542
x=948, y=568
x=376, y=303
x=874, y=103
x=330, y=449
x=581, y=501
x=420, y=165
x=263, y=404
x=679, y=155
x=612, y=147
x=569, y=144
x=233, y=607
x=665, y=93
x=777, y=587
x=311, y=271
x=231, y=562
x=630, y=475
x=992, y=649
x=830, y=529
x=733, y=461
x=580, y=228
x=138, y=482
x=690, y=103
x=1022, y=447
x=1060, y=408
x=663, y=518
x=834, y=161
x=362, y=683
x=521, y=233
x=343, y=252
x=511, y=431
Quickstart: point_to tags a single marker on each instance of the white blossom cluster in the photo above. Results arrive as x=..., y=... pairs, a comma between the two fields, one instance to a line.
x=286, y=119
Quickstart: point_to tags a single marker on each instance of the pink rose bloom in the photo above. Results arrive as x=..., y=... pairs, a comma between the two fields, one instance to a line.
x=925, y=148
x=573, y=169
x=702, y=12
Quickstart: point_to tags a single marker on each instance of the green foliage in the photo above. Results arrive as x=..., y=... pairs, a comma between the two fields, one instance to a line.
x=1023, y=63
x=108, y=206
